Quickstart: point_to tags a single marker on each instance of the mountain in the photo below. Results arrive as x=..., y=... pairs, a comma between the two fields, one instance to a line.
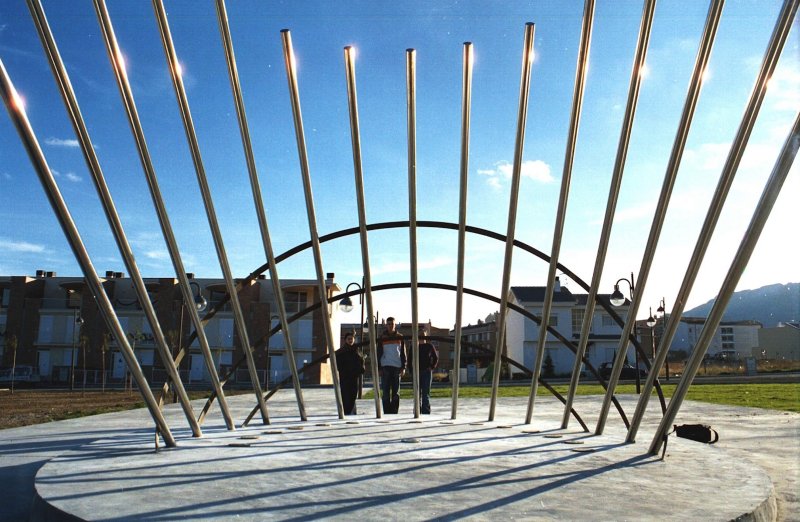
x=768, y=305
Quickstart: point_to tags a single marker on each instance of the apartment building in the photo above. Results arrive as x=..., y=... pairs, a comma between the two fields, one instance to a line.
x=54, y=325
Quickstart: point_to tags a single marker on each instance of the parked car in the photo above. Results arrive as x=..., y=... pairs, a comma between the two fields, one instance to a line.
x=628, y=372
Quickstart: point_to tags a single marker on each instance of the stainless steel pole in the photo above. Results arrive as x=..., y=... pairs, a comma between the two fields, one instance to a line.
x=466, y=108
x=411, y=107
x=17, y=113
x=771, y=191
x=294, y=92
x=233, y=73
x=118, y=66
x=522, y=115
x=679, y=144
x=648, y=13
x=205, y=191
x=566, y=177
x=93, y=163
x=355, y=133
x=772, y=54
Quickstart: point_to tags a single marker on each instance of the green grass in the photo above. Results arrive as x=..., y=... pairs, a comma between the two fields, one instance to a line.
x=785, y=397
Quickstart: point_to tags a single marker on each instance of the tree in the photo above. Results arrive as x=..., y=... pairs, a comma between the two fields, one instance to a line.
x=549, y=367
x=11, y=344
x=103, y=353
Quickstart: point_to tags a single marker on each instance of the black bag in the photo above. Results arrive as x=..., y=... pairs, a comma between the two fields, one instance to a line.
x=698, y=432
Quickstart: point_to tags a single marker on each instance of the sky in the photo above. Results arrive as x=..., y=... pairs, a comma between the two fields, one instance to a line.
x=31, y=239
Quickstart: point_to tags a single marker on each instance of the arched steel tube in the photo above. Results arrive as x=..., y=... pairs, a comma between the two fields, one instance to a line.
x=516, y=175
x=439, y=286
x=648, y=13
x=227, y=43
x=93, y=164
x=566, y=177
x=692, y=96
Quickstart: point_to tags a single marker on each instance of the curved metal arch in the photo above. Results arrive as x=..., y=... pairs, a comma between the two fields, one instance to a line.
x=393, y=286
x=425, y=224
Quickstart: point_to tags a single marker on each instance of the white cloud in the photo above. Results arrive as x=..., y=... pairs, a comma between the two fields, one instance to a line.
x=536, y=170
x=58, y=142
x=641, y=211
x=6, y=175
x=74, y=177
x=20, y=246
x=160, y=255
x=784, y=90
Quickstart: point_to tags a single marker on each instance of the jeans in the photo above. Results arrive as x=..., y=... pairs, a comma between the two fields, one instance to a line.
x=390, y=384
x=425, y=378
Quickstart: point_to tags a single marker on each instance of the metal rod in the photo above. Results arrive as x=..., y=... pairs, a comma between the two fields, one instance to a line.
x=771, y=191
x=566, y=177
x=92, y=162
x=679, y=144
x=466, y=108
x=291, y=75
x=205, y=191
x=411, y=104
x=355, y=133
x=771, y=55
x=524, y=89
x=17, y=113
x=118, y=66
x=227, y=43
x=648, y=13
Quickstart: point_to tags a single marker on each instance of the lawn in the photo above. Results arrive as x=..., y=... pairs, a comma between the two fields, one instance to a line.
x=784, y=397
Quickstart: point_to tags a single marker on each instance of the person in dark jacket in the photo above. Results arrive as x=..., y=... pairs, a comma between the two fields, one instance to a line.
x=392, y=365
x=351, y=366
x=428, y=360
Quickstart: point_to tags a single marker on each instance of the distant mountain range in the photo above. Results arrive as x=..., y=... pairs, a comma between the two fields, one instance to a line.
x=768, y=305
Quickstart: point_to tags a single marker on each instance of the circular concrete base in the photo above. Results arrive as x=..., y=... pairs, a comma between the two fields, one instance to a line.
x=403, y=469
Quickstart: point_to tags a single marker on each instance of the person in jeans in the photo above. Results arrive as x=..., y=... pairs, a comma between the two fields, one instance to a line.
x=428, y=360
x=392, y=364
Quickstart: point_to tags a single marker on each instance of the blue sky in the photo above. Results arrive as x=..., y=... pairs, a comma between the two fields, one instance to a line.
x=31, y=239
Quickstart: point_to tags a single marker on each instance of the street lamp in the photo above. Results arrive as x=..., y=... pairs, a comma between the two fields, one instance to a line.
x=617, y=299
x=78, y=323
x=662, y=312
x=199, y=301
x=346, y=306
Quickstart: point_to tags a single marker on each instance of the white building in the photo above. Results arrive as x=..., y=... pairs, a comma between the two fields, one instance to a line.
x=737, y=336
x=566, y=316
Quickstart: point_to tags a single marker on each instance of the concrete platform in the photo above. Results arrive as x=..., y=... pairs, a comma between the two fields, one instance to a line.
x=401, y=468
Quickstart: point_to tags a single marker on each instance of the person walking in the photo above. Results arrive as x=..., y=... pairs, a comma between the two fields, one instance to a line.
x=392, y=364
x=350, y=364
x=428, y=360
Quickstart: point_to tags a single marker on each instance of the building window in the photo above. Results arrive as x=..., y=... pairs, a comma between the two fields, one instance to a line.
x=5, y=295
x=553, y=321
x=577, y=319
x=294, y=301
x=73, y=299
x=607, y=320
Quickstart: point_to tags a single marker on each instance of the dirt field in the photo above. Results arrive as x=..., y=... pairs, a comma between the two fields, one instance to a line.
x=27, y=407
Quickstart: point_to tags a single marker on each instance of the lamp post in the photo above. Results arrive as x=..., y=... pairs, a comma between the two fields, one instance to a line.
x=199, y=301
x=662, y=312
x=346, y=306
x=78, y=322
x=617, y=299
